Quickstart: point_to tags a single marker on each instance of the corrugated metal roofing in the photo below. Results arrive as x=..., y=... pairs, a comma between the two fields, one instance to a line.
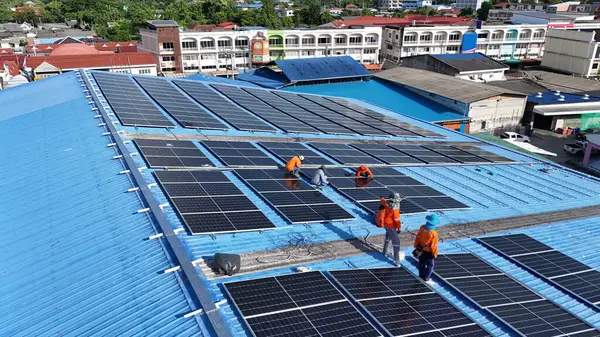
x=321, y=68
x=74, y=259
x=264, y=77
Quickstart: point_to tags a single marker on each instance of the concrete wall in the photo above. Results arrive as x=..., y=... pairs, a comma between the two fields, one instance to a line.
x=496, y=112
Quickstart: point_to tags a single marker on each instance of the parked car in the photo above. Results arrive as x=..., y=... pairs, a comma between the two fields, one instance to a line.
x=514, y=137
x=578, y=148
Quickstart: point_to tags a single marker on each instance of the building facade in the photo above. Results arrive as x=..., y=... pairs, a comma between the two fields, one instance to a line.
x=222, y=51
x=475, y=4
x=500, y=42
x=574, y=51
x=390, y=4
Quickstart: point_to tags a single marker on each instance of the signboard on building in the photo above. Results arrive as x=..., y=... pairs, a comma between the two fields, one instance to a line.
x=260, y=49
x=469, y=43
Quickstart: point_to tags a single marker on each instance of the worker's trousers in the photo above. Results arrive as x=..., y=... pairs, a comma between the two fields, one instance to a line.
x=392, y=235
x=426, y=264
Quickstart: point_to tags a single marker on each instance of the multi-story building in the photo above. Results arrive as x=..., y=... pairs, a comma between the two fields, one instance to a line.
x=390, y=4
x=220, y=50
x=574, y=51
x=413, y=4
x=500, y=42
x=475, y=4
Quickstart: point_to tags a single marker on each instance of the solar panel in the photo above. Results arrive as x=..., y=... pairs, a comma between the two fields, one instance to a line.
x=167, y=153
x=286, y=151
x=423, y=154
x=386, y=128
x=238, y=154
x=129, y=103
x=522, y=309
x=186, y=112
x=403, y=304
x=292, y=198
x=303, y=304
x=456, y=154
x=566, y=272
x=386, y=154
x=287, y=123
x=311, y=69
x=387, y=119
x=335, y=117
x=223, y=108
x=484, y=154
x=316, y=121
x=208, y=202
x=345, y=154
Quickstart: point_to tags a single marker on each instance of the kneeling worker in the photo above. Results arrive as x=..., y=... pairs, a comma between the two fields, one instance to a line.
x=293, y=166
x=320, y=177
x=388, y=217
x=364, y=172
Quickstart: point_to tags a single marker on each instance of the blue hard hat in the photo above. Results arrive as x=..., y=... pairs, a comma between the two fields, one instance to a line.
x=432, y=219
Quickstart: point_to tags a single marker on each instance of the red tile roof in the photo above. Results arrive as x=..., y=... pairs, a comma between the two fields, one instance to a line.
x=93, y=61
x=101, y=46
x=407, y=20
x=13, y=68
x=501, y=4
x=6, y=51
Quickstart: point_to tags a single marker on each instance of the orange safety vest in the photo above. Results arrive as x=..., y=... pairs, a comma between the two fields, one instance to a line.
x=428, y=239
x=388, y=217
x=293, y=163
x=360, y=172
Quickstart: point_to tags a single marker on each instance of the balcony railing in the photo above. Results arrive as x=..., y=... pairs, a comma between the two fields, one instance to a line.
x=356, y=43
x=324, y=44
x=279, y=45
x=372, y=43
x=292, y=45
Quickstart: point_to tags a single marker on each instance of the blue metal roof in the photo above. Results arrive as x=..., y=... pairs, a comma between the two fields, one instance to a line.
x=264, y=77
x=321, y=68
x=551, y=97
x=75, y=261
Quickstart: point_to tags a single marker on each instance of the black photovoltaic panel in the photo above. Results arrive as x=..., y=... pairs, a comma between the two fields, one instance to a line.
x=186, y=112
x=566, y=272
x=307, y=116
x=208, y=202
x=388, y=119
x=303, y=304
x=171, y=153
x=345, y=154
x=406, y=207
x=295, y=200
x=223, y=108
x=386, y=154
x=129, y=103
x=525, y=311
x=342, y=120
x=456, y=154
x=237, y=154
x=403, y=304
x=423, y=154
x=484, y=154
x=274, y=116
x=286, y=151
x=386, y=128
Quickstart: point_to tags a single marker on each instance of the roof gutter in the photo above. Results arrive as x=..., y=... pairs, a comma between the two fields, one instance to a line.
x=187, y=268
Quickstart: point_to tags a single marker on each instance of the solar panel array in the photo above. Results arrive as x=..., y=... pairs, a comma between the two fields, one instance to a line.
x=297, y=305
x=286, y=151
x=385, y=118
x=522, y=309
x=386, y=154
x=456, y=154
x=307, y=116
x=171, y=153
x=418, y=197
x=292, y=198
x=484, y=154
x=274, y=116
x=321, y=68
x=129, y=103
x=556, y=267
x=223, y=108
x=186, y=112
x=423, y=154
x=238, y=154
x=208, y=202
x=403, y=304
x=345, y=154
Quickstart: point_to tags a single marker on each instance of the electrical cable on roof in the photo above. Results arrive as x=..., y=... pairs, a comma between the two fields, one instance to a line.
x=299, y=245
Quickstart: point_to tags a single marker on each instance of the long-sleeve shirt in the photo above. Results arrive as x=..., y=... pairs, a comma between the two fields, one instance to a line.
x=293, y=163
x=428, y=239
x=319, y=178
x=391, y=218
x=361, y=172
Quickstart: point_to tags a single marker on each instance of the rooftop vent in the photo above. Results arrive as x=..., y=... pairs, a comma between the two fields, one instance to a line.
x=539, y=95
x=586, y=96
x=557, y=92
x=561, y=98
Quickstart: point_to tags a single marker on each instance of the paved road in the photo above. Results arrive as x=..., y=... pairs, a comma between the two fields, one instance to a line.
x=553, y=142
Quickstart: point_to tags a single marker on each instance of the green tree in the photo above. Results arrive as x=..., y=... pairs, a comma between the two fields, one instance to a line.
x=484, y=11
x=287, y=22
x=326, y=17
x=398, y=14
x=217, y=11
x=121, y=31
x=310, y=14
x=466, y=12
x=268, y=16
x=139, y=12
x=180, y=11
x=5, y=12
x=248, y=18
x=366, y=12
x=27, y=14
x=53, y=12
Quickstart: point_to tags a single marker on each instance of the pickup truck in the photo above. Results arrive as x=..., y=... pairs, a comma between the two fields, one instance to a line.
x=578, y=148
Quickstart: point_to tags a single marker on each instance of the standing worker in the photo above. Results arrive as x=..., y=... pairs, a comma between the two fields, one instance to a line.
x=426, y=243
x=320, y=177
x=293, y=166
x=388, y=217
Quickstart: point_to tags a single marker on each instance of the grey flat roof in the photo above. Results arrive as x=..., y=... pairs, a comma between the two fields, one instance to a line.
x=443, y=85
x=524, y=86
x=543, y=15
x=565, y=83
x=470, y=62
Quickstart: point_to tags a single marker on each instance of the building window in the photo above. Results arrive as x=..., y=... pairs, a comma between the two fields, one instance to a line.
x=370, y=51
x=371, y=39
x=397, y=37
x=439, y=38
x=521, y=45
x=308, y=41
x=355, y=39
x=425, y=38
x=190, y=57
x=390, y=36
x=224, y=43
x=189, y=45
x=275, y=42
x=191, y=67
x=451, y=49
x=168, y=46
x=340, y=39
x=207, y=44
x=595, y=66
x=207, y=56
x=483, y=125
x=538, y=34
x=497, y=36
x=241, y=43
x=454, y=37
x=410, y=38
x=308, y=53
x=389, y=47
x=241, y=54
x=482, y=35
x=323, y=40
x=168, y=58
x=597, y=52
x=208, y=67
x=167, y=69
x=145, y=72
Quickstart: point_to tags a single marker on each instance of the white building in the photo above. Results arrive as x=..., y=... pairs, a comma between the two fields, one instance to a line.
x=220, y=51
x=500, y=42
x=475, y=4
x=413, y=4
x=390, y=4
x=575, y=51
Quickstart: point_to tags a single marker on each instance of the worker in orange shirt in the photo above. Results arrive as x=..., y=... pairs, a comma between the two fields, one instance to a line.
x=427, y=242
x=293, y=166
x=363, y=176
x=388, y=217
